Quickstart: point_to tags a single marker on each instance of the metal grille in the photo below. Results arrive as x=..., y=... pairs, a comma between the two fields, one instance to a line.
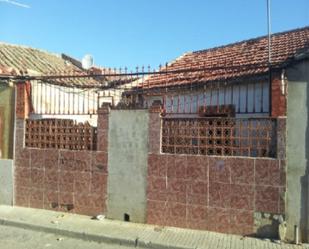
x=246, y=98
x=254, y=137
x=60, y=134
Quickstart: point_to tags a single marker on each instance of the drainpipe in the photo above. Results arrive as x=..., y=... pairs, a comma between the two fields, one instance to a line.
x=296, y=235
x=283, y=83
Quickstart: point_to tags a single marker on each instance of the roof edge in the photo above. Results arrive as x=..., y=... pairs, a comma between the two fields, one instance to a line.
x=250, y=40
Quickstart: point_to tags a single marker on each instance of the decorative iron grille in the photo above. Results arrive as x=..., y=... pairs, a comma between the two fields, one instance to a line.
x=60, y=134
x=254, y=137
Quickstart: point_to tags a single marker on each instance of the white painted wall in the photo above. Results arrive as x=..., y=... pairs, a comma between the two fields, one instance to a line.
x=52, y=101
x=257, y=99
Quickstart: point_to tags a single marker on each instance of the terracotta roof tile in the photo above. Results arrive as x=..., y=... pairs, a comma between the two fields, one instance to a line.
x=36, y=62
x=233, y=61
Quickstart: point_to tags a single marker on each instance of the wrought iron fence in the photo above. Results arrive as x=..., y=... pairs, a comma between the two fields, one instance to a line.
x=131, y=90
x=60, y=134
x=253, y=137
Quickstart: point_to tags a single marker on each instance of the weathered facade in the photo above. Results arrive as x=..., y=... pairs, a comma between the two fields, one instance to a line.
x=6, y=121
x=224, y=149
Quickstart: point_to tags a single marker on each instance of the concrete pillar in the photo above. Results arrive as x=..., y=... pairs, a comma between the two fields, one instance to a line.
x=127, y=165
x=297, y=211
x=6, y=182
x=23, y=101
x=103, y=119
x=154, y=126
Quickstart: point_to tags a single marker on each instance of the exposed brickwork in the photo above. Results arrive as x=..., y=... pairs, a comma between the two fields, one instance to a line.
x=278, y=100
x=154, y=132
x=102, y=137
x=281, y=138
x=23, y=100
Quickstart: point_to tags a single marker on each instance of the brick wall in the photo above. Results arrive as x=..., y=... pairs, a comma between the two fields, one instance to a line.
x=62, y=180
x=23, y=99
x=211, y=193
x=278, y=100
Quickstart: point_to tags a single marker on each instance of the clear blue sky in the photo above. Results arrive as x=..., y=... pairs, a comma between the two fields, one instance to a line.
x=122, y=33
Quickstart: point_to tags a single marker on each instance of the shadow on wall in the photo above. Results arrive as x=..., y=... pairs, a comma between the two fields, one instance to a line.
x=300, y=74
x=304, y=212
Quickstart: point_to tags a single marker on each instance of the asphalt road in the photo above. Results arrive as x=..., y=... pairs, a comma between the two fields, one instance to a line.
x=17, y=238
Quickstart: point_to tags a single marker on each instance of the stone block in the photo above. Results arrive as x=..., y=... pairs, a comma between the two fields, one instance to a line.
x=242, y=197
x=177, y=169
x=36, y=198
x=66, y=160
x=176, y=210
x=65, y=198
x=52, y=159
x=22, y=177
x=81, y=187
x=157, y=165
x=157, y=184
x=198, y=187
x=83, y=161
x=242, y=170
x=51, y=179
x=98, y=183
x=99, y=162
x=267, y=172
x=156, y=212
x=37, y=158
x=51, y=200
x=242, y=218
x=176, y=185
x=22, y=196
x=219, y=195
x=180, y=197
x=219, y=220
x=197, y=199
x=267, y=199
x=102, y=143
x=197, y=213
x=197, y=167
x=219, y=170
x=66, y=181
x=37, y=178
x=159, y=196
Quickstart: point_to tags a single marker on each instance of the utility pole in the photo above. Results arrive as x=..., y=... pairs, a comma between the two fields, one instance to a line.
x=269, y=31
x=269, y=57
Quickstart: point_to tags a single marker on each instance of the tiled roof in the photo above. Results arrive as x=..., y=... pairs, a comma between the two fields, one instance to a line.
x=234, y=61
x=34, y=62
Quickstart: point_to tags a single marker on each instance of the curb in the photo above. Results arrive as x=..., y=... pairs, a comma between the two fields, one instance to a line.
x=137, y=243
x=69, y=233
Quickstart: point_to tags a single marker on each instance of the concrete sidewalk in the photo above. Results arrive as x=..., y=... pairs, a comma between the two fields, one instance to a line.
x=125, y=233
